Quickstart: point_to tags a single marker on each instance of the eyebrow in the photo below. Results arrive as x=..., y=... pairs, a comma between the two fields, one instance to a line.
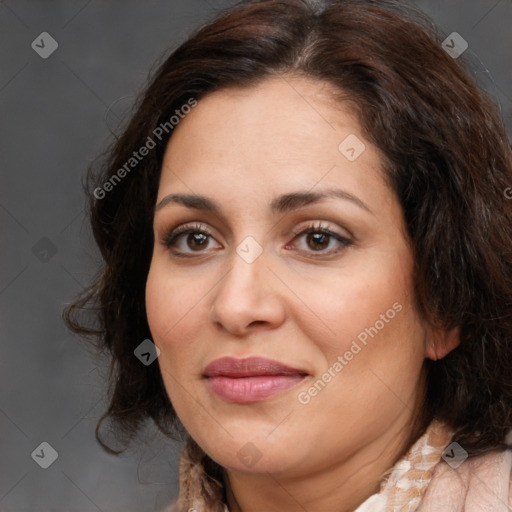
x=281, y=204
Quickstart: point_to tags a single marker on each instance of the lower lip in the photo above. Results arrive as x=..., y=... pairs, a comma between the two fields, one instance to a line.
x=251, y=389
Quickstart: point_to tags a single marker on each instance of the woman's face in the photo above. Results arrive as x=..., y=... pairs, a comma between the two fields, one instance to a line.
x=296, y=253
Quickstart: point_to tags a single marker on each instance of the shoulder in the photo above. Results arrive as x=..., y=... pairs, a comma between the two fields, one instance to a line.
x=173, y=507
x=478, y=483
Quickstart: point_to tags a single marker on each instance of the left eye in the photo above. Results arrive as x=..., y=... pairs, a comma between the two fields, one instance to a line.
x=318, y=239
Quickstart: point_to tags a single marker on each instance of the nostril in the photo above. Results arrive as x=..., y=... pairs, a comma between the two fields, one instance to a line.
x=256, y=322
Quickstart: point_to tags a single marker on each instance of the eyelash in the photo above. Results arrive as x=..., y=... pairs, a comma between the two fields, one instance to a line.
x=186, y=229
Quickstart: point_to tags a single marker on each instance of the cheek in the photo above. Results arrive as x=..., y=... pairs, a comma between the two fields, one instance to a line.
x=353, y=303
x=381, y=346
x=174, y=310
x=173, y=313
x=367, y=317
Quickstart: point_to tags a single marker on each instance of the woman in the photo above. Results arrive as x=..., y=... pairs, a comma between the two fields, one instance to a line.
x=307, y=216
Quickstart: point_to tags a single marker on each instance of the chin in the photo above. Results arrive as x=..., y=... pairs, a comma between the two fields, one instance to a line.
x=255, y=457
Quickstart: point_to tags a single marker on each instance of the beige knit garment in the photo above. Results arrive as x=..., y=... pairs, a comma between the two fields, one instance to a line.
x=419, y=482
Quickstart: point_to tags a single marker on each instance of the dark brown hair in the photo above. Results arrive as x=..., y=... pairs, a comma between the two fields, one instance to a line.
x=447, y=159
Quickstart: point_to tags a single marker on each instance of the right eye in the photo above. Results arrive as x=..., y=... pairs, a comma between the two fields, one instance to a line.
x=188, y=239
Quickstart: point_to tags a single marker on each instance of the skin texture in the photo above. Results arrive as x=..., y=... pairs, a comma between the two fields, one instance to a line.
x=300, y=302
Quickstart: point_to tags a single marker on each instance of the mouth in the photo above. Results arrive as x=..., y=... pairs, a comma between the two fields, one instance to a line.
x=250, y=380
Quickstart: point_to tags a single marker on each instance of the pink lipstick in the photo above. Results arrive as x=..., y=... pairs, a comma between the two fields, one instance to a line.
x=250, y=380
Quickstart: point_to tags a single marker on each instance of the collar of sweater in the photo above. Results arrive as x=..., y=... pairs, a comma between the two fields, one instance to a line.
x=402, y=489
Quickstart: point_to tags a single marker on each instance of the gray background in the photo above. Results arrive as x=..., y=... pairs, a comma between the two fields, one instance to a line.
x=56, y=115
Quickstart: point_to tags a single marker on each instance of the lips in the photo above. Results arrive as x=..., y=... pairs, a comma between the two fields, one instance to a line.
x=250, y=380
x=249, y=367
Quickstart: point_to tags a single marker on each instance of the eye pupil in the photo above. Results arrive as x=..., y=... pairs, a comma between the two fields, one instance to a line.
x=318, y=238
x=197, y=238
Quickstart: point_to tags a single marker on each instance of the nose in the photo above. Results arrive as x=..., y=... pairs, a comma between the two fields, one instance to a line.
x=248, y=297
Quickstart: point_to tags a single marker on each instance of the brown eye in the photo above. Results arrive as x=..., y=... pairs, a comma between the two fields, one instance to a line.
x=186, y=240
x=321, y=240
x=317, y=241
x=197, y=241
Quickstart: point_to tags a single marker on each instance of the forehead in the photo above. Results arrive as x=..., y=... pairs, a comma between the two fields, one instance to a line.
x=285, y=133
x=278, y=115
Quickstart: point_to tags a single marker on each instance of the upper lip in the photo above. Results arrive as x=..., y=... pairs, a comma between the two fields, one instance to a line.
x=248, y=367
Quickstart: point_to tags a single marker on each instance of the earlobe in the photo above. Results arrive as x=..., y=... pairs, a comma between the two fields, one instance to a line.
x=441, y=343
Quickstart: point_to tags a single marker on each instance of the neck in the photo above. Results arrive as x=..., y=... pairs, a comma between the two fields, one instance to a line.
x=341, y=488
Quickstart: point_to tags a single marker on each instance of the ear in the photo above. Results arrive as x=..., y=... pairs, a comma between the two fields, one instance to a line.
x=441, y=342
